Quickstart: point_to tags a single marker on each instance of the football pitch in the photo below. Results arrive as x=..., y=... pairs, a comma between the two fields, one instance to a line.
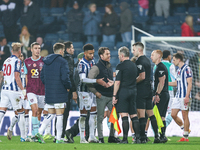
x=15, y=144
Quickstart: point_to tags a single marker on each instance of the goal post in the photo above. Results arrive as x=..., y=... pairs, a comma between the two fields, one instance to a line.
x=190, y=47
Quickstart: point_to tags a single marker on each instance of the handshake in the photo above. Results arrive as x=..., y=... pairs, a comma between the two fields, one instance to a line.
x=104, y=84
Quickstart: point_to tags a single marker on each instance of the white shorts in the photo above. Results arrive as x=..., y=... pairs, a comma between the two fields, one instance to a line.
x=171, y=95
x=26, y=104
x=178, y=103
x=36, y=99
x=56, y=106
x=11, y=97
x=87, y=100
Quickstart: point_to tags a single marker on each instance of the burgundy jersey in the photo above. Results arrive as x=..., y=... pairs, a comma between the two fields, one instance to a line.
x=32, y=69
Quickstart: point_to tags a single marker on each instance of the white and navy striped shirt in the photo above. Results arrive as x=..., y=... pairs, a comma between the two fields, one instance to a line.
x=23, y=77
x=10, y=66
x=182, y=74
x=84, y=67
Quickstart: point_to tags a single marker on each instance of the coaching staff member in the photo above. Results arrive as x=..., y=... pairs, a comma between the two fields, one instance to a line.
x=161, y=98
x=55, y=76
x=144, y=92
x=125, y=92
x=103, y=69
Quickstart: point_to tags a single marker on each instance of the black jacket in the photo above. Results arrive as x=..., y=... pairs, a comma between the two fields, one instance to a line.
x=6, y=54
x=70, y=61
x=113, y=20
x=31, y=18
x=9, y=14
x=75, y=21
x=55, y=77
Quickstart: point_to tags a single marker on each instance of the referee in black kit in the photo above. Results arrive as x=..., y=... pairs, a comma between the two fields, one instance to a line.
x=124, y=94
x=161, y=98
x=144, y=92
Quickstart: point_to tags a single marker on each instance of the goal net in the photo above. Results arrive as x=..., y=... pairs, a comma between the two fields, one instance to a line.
x=190, y=47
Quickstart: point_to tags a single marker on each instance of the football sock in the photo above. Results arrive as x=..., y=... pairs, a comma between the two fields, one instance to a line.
x=108, y=123
x=185, y=134
x=136, y=126
x=14, y=120
x=163, y=129
x=2, y=113
x=168, y=119
x=92, y=124
x=26, y=124
x=45, y=123
x=34, y=126
x=59, y=126
x=182, y=127
x=125, y=126
x=154, y=125
x=82, y=125
x=133, y=135
x=142, y=128
x=22, y=124
x=48, y=128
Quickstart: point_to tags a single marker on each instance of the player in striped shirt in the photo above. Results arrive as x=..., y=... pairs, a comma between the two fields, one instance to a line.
x=183, y=94
x=87, y=99
x=13, y=91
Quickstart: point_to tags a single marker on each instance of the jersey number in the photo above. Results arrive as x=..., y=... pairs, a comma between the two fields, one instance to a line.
x=7, y=70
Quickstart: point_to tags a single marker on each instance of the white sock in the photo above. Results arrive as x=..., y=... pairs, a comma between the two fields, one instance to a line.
x=48, y=128
x=45, y=122
x=59, y=126
x=92, y=124
x=82, y=126
x=22, y=124
x=2, y=113
x=14, y=120
x=182, y=127
x=26, y=124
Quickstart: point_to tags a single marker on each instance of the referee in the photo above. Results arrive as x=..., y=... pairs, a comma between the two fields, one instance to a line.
x=124, y=94
x=161, y=98
x=144, y=92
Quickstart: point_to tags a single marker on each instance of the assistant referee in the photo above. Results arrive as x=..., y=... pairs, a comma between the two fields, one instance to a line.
x=125, y=92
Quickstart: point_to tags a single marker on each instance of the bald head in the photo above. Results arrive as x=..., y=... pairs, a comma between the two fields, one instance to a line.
x=39, y=40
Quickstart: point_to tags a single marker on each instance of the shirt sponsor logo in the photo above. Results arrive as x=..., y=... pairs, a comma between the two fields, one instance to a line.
x=29, y=65
x=161, y=72
x=139, y=66
x=35, y=73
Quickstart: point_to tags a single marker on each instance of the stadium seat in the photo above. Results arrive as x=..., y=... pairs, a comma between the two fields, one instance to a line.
x=44, y=11
x=114, y=61
x=173, y=20
x=141, y=20
x=196, y=28
x=177, y=29
x=134, y=11
x=101, y=10
x=180, y=11
x=63, y=19
x=57, y=11
x=78, y=46
x=168, y=29
x=114, y=53
x=138, y=38
x=117, y=10
x=194, y=10
x=51, y=37
x=154, y=29
x=1, y=28
x=157, y=20
x=120, y=44
x=48, y=20
x=95, y=44
x=68, y=9
x=110, y=45
x=64, y=37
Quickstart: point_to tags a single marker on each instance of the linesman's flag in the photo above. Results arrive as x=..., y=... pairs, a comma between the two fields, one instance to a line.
x=158, y=118
x=114, y=119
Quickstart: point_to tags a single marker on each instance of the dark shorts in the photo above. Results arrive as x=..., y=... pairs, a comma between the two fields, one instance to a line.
x=127, y=101
x=163, y=104
x=144, y=101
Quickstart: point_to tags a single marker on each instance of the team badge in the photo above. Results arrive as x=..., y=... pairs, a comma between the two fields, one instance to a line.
x=161, y=72
x=139, y=66
x=34, y=65
x=31, y=100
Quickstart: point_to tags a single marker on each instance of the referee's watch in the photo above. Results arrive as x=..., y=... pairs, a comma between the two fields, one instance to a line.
x=157, y=94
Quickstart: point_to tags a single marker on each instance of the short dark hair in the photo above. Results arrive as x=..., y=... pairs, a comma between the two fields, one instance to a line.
x=125, y=51
x=1, y=38
x=68, y=44
x=101, y=50
x=178, y=56
x=166, y=53
x=58, y=46
x=88, y=47
x=34, y=43
x=139, y=44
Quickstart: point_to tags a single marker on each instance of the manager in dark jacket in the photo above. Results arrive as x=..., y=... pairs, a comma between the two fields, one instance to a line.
x=55, y=76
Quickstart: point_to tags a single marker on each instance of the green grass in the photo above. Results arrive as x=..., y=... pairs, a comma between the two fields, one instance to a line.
x=15, y=144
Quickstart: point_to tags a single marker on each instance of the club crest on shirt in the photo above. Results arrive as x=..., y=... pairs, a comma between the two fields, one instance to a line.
x=139, y=67
x=34, y=65
x=161, y=72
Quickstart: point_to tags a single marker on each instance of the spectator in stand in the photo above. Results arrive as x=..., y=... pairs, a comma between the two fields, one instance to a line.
x=26, y=39
x=109, y=24
x=55, y=3
x=187, y=27
x=162, y=7
x=30, y=17
x=75, y=22
x=143, y=7
x=91, y=23
x=126, y=22
x=9, y=14
x=44, y=46
x=4, y=51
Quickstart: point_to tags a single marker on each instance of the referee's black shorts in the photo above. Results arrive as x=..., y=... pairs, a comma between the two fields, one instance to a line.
x=144, y=101
x=127, y=101
x=163, y=104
